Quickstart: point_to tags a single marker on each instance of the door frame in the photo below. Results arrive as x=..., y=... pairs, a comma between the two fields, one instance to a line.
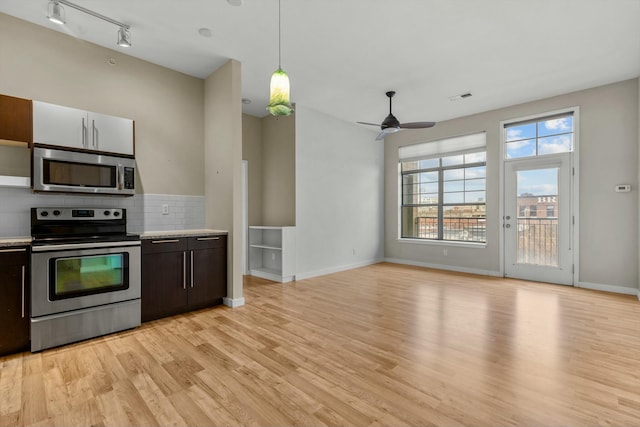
x=573, y=185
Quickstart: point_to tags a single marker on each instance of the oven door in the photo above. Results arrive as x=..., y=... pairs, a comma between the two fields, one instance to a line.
x=72, y=277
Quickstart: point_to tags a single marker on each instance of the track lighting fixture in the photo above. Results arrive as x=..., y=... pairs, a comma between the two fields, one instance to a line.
x=124, y=37
x=56, y=14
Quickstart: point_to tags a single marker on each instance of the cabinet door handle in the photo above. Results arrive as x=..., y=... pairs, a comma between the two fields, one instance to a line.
x=184, y=270
x=23, y=307
x=12, y=250
x=94, y=139
x=202, y=239
x=155, y=242
x=192, y=269
x=84, y=135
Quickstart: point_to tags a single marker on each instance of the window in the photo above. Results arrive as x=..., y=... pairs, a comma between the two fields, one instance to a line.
x=444, y=192
x=533, y=210
x=522, y=211
x=551, y=211
x=539, y=137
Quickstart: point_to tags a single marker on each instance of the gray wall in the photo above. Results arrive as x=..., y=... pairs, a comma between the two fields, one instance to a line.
x=608, y=155
x=252, y=152
x=223, y=166
x=279, y=170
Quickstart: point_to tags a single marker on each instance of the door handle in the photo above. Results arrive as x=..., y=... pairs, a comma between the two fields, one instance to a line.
x=192, y=269
x=94, y=134
x=202, y=239
x=85, y=144
x=184, y=270
x=23, y=298
x=155, y=242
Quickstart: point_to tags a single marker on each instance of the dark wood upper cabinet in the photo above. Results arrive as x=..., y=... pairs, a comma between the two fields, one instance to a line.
x=16, y=119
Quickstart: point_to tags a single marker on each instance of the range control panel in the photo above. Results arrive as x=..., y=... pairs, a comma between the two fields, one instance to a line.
x=79, y=214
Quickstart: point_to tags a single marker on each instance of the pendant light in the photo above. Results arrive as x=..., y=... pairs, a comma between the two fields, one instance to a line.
x=279, y=104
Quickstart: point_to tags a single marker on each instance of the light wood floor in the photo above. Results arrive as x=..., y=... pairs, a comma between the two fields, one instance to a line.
x=382, y=345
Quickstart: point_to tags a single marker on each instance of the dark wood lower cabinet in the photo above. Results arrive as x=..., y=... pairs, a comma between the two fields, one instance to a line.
x=184, y=274
x=14, y=300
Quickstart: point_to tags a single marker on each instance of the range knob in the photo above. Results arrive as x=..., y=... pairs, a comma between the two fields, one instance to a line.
x=107, y=213
x=116, y=213
x=44, y=213
x=56, y=212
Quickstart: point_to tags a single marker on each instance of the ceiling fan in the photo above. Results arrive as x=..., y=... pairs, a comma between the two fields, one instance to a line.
x=391, y=124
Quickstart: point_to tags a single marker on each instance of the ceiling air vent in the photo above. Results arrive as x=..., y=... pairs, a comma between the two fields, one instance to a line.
x=460, y=97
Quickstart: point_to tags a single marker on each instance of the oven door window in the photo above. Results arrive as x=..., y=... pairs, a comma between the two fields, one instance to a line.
x=86, y=275
x=55, y=172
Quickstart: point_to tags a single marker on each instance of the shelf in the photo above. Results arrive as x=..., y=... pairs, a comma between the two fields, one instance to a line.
x=275, y=248
x=15, y=181
x=272, y=253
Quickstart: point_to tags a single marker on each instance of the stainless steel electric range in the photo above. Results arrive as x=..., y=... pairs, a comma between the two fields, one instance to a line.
x=85, y=275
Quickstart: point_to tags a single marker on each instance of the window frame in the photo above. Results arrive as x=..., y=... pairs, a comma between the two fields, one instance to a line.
x=441, y=206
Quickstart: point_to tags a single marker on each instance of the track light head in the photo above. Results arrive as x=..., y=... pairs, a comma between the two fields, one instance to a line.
x=56, y=13
x=124, y=37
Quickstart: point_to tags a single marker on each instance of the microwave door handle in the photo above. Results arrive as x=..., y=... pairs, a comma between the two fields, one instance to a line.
x=120, y=177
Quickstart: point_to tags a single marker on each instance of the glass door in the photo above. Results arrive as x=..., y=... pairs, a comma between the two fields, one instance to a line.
x=537, y=221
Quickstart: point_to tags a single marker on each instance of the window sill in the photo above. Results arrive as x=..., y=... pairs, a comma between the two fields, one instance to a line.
x=471, y=245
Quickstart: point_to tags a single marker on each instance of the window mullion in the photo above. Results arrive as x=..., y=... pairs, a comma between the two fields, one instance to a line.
x=440, y=204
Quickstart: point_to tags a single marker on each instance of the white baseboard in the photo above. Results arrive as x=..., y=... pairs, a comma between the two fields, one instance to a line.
x=445, y=267
x=609, y=288
x=233, y=302
x=331, y=270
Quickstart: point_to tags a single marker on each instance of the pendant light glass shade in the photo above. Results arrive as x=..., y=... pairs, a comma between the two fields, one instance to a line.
x=279, y=104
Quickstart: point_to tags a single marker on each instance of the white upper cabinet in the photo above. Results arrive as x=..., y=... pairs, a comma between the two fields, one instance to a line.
x=74, y=128
x=58, y=125
x=110, y=133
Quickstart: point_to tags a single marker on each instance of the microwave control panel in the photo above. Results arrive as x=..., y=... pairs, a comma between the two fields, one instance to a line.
x=129, y=183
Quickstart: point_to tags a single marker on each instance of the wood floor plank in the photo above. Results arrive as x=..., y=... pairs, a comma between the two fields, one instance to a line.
x=382, y=345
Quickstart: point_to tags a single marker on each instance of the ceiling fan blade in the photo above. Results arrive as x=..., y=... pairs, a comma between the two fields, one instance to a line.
x=417, y=125
x=380, y=136
x=370, y=124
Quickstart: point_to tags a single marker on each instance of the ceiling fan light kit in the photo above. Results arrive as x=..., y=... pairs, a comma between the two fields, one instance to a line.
x=391, y=124
x=279, y=102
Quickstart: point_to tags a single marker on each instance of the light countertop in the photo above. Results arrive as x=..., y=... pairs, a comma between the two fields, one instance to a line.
x=182, y=233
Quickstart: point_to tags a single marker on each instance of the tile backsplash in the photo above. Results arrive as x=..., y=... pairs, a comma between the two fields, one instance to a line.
x=144, y=211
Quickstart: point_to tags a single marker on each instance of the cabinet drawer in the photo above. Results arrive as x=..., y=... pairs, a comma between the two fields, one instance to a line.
x=13, y=256
x=205, y=242
x=151, y=246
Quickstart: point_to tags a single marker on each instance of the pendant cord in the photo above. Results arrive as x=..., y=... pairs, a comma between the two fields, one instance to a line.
x=279, y=37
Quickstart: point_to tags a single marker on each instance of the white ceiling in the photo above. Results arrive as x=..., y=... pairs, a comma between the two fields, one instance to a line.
x=342, y=55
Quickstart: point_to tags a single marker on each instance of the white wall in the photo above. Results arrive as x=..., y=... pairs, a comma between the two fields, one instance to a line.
x=608, y=155
x=339, y=194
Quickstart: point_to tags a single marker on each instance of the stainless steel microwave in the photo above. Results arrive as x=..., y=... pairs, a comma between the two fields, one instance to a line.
x=74, y=172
